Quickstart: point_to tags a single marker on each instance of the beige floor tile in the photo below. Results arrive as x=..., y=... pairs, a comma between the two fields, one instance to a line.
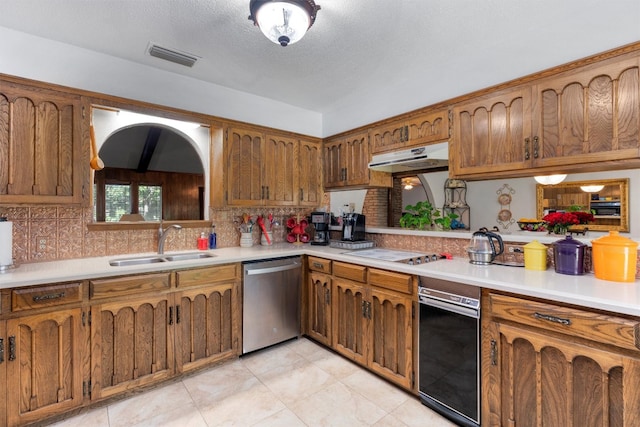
x=298, y=382
x=414, y=414
x=243, y=407
x=337, y=405
x=338, y=366
x=185, y=416
x=149, y=404
x=272, y=359
x=94, y=418
x=308, y=349
x=389, y=421
x=374, y=388
x=219, y=383
x=284, y=418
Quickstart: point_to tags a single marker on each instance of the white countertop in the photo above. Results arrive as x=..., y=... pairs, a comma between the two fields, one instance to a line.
x=583, y=290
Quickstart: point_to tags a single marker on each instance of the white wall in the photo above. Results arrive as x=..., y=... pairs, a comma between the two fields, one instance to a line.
x=41, y=59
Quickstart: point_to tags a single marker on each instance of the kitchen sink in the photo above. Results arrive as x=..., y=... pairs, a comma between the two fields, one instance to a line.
x=124, y=262
x=188, y=256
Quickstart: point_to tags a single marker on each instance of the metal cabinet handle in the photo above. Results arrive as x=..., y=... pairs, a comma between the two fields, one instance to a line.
x=177, y=314
x=12, y=348
x=494, y=353
x=47, y=297
x=551, y=318
x=327, y=296
x=535, y=147
x=1, y=350
x=368, y=310
x=318, y=265
x=363, y=308
x=171, y=315
x=301, y=194
x=527, y=156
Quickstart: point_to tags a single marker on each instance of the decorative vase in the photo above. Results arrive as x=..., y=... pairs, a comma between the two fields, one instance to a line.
x=263, y=238
x=246, y=240
x=560, y=229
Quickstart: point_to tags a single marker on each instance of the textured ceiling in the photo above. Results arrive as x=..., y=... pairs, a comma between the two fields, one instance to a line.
x=359, y=54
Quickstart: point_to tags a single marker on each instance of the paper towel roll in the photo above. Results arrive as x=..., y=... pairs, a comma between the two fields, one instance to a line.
x=6, y=243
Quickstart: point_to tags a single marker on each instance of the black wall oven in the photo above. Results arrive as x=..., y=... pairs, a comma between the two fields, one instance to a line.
x=449, y=373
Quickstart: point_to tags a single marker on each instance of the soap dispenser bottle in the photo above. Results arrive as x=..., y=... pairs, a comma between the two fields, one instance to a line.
x=212, y=237
x=202, y=242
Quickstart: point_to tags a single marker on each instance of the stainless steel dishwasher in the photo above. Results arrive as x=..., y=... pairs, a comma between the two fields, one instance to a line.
x=271, y=302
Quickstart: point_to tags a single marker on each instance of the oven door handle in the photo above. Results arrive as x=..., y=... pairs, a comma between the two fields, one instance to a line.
x=464, y=311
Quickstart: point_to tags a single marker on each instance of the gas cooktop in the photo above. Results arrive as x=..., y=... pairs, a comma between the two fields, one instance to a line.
x=395, y=255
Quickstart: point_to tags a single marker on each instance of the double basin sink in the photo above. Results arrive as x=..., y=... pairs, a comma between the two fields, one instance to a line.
x=152, y=259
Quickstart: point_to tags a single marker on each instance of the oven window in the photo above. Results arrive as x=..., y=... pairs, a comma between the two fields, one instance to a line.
x=449, y=359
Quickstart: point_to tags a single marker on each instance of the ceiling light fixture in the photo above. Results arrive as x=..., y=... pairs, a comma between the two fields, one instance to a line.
x=550, y=179
x=591, y=188
x=283, y=22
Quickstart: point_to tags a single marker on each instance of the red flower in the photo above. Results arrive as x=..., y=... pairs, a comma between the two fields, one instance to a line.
x=561, y=218
x=584, y=217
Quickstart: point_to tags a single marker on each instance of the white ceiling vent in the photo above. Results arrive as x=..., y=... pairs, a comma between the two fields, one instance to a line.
x=171, y=55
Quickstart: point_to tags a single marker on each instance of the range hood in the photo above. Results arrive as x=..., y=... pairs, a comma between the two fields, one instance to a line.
x=413, y=159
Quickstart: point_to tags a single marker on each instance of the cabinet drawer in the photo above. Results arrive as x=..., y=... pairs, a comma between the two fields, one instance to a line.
x=389, y=280
x=357, y=273
x=208, y=275
x=127, y=285
x=319, y=264
x=607, y=329
x=45, y=296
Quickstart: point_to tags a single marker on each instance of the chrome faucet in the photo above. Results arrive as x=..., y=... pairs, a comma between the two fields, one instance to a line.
x=162, y=235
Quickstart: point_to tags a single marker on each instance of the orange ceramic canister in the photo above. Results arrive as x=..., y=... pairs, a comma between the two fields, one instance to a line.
x=614, y=258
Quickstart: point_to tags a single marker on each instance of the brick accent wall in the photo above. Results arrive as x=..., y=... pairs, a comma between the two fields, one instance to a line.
x=375, y=207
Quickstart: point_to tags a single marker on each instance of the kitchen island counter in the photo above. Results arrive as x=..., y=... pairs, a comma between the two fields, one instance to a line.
x=585, y=290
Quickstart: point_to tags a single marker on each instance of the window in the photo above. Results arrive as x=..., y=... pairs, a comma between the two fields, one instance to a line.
x=117, y=201
x=150, y=202
x=119, y=198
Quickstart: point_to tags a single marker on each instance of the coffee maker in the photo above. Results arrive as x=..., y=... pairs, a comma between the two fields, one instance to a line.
x=352, y=227
x=321, y=221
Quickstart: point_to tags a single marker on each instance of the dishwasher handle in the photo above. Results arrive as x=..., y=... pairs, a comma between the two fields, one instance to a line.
x=267, y=270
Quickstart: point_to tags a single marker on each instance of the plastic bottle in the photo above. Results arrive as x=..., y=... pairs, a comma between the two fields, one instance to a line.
x=212, y=237
x=203, y=242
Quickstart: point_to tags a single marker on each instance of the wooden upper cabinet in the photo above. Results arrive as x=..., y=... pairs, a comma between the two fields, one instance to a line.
x=244, y=166
x=419, y=129
x=271, y=169
x=281, y=163
x=309, y=172
x=492, y=133
x=591, y=114
x=346, y=160
x=567, y=122
x=40, y=145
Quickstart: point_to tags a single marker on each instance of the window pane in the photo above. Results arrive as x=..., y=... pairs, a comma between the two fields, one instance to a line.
x=117, y=201
x=150, y=202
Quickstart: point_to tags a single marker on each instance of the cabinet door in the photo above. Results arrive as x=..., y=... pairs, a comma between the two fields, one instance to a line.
x=426, y=128
x=207, y=325
x=533, y=379
x=588, y=115
x=319, y=307
x=40, y=146
x=280, y=166
x=350, y=325
x=357, y=159
x=388, y=137
x=43, y=356
x=492, y=134
x=244, y=165
x=131, y=343
x=391, y=348
x=334, y=164
x=309, y=174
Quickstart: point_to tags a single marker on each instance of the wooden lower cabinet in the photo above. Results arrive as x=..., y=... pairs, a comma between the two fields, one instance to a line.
x=3, y=372
x=206, y=321
x=349, y=318
x=319, y=307
x=43, y=361
x=131, y=343
x=537, y=370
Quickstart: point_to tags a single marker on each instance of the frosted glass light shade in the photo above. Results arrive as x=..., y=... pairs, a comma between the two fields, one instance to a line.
x=283, y=22
x=591, y=188
x=550, y=179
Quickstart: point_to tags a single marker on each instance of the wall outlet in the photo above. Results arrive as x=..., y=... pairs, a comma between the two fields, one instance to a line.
x=515, y=249
x=42, y=243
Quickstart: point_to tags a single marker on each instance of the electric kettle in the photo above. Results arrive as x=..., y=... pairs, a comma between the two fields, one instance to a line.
x=482, y=249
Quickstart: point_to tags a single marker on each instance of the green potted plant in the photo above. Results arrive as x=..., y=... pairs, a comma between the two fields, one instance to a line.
x=444, y=221
x=419, y=216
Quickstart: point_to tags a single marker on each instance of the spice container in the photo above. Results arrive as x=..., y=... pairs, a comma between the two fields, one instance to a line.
x=535, y=256
x=568, y=256
x=615, y=258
